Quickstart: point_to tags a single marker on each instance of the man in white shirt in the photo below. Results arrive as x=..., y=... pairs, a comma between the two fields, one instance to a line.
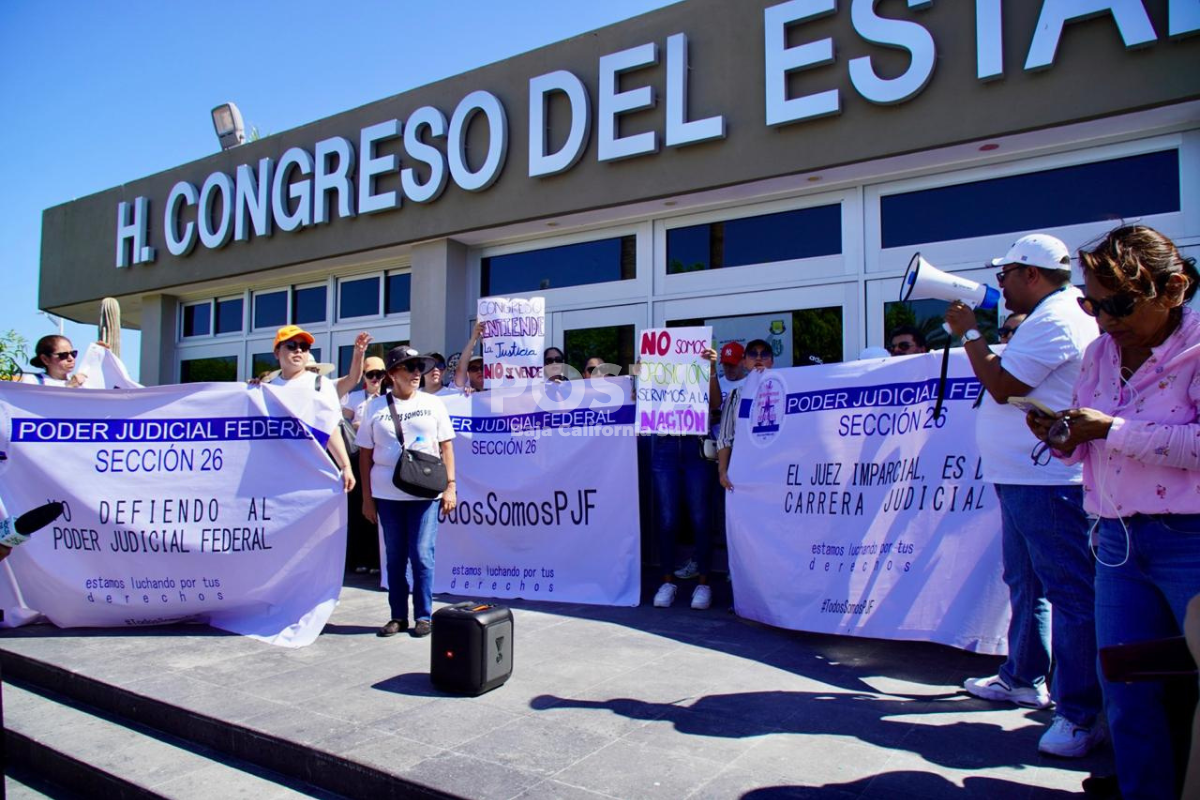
x=1047, y=566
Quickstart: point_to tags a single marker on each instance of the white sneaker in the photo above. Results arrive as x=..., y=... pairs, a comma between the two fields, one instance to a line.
x=994, y=688
x=688, y=571
x=665, y=595
x=702, y=597
x=1066, y=739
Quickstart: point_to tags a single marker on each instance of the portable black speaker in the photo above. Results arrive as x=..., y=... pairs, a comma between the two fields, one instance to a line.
x=472, y=648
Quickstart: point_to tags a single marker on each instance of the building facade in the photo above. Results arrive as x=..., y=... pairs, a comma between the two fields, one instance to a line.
x=710, y=162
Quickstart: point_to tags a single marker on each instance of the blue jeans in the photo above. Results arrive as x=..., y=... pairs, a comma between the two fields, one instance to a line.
x=409, y=535
x=1144, y=598
x=1049, y=572
x=682, y=486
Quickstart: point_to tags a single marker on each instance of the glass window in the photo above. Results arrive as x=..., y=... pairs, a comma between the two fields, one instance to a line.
x=358, y=298
x=614, y=344
x=197, y=319
x=399, y=293
x=229, y=315
x=1117, y=189
x=927, y=316
x=786, y=236
x=557, y=267
x=814, y=331
x=308, y=305
x=270, y=310
x=377, y=349
x=261, y=363
x=203, y=370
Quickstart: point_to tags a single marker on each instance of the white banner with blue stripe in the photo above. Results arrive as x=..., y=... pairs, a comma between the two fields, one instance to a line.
x=547, y=495
x=210, y=502
x=857, y=510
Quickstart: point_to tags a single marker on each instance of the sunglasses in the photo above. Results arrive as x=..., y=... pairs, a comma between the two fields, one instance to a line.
x=760, y=353
x=293, y=345
x=438, y=365
x=588, y=370
x=1116, y=306
x=475, y=368
x=1003, y=332
x=554, y=360
x=62, y=356
x=1004, y=273
x=411, y=366
x=375, y=374
x=902, y=347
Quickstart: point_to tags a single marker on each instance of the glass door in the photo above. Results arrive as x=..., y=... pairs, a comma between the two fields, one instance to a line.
x=608, y=333
x=207, y=363
x=798, y=322
x=384, y=336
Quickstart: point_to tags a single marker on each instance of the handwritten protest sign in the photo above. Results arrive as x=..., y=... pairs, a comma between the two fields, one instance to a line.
x=514, y=330
x=673, y=376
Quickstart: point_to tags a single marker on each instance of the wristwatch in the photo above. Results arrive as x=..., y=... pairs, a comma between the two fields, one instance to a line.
x=971, y=336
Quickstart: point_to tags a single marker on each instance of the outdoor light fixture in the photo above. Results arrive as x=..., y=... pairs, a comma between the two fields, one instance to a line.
x=228, y=122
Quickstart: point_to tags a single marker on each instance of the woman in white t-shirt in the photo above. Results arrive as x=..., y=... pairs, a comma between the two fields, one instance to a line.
x=56, y=356
x=292, y=345
x=409, y=523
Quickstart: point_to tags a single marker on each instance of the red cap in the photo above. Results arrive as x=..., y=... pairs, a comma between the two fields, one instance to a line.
x=732, y=353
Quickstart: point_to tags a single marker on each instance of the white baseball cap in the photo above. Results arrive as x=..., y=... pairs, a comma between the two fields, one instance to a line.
x=1037, y=250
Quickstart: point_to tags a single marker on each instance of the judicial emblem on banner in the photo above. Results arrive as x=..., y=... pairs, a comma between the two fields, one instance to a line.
x=767, y=410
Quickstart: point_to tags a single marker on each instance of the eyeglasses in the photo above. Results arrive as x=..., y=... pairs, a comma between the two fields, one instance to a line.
x=1116, y=306
x=902, y=347
x=293, y=345
x=1004, y=273
x=375, y=374
x=553, y=360
x=759, y=353
x=64, y=355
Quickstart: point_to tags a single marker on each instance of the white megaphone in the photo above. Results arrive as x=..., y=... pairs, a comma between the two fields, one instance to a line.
x=924, y=281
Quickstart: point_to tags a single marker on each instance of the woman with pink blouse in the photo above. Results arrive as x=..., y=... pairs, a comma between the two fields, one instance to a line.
x=1135, y=426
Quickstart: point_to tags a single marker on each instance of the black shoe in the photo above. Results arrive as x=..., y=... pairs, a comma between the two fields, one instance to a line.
x=393, y=627
x=422, y=628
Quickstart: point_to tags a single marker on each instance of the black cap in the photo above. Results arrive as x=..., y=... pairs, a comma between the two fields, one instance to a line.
x=398, y=355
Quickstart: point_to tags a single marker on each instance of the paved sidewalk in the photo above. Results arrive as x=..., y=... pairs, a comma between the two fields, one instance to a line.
x=604, y=702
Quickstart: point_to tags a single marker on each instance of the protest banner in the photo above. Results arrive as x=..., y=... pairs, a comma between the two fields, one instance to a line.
x=673, y=381
x=856, y=511
x=208, y=502
x=514, y=330
x=547, y=495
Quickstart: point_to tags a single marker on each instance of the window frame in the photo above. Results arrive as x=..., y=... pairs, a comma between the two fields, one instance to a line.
x=570, y=297
x=956, y=255
x=182, y=336
x=816, y=270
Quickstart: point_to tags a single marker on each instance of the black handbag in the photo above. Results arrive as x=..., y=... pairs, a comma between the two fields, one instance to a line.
x=416, y=473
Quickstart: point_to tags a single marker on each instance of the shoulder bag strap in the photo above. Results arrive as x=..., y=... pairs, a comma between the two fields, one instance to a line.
x=395, y=421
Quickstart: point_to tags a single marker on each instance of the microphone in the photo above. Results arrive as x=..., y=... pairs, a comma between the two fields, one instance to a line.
x=17, y=531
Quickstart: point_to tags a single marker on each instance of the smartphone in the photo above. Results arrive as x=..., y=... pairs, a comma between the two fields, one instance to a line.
x=1028, y=404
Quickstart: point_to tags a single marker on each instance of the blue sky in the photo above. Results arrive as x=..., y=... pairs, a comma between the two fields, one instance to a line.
x=96, y=94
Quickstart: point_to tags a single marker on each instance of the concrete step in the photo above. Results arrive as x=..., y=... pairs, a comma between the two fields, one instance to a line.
x=335, y=775
x=89, y=753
